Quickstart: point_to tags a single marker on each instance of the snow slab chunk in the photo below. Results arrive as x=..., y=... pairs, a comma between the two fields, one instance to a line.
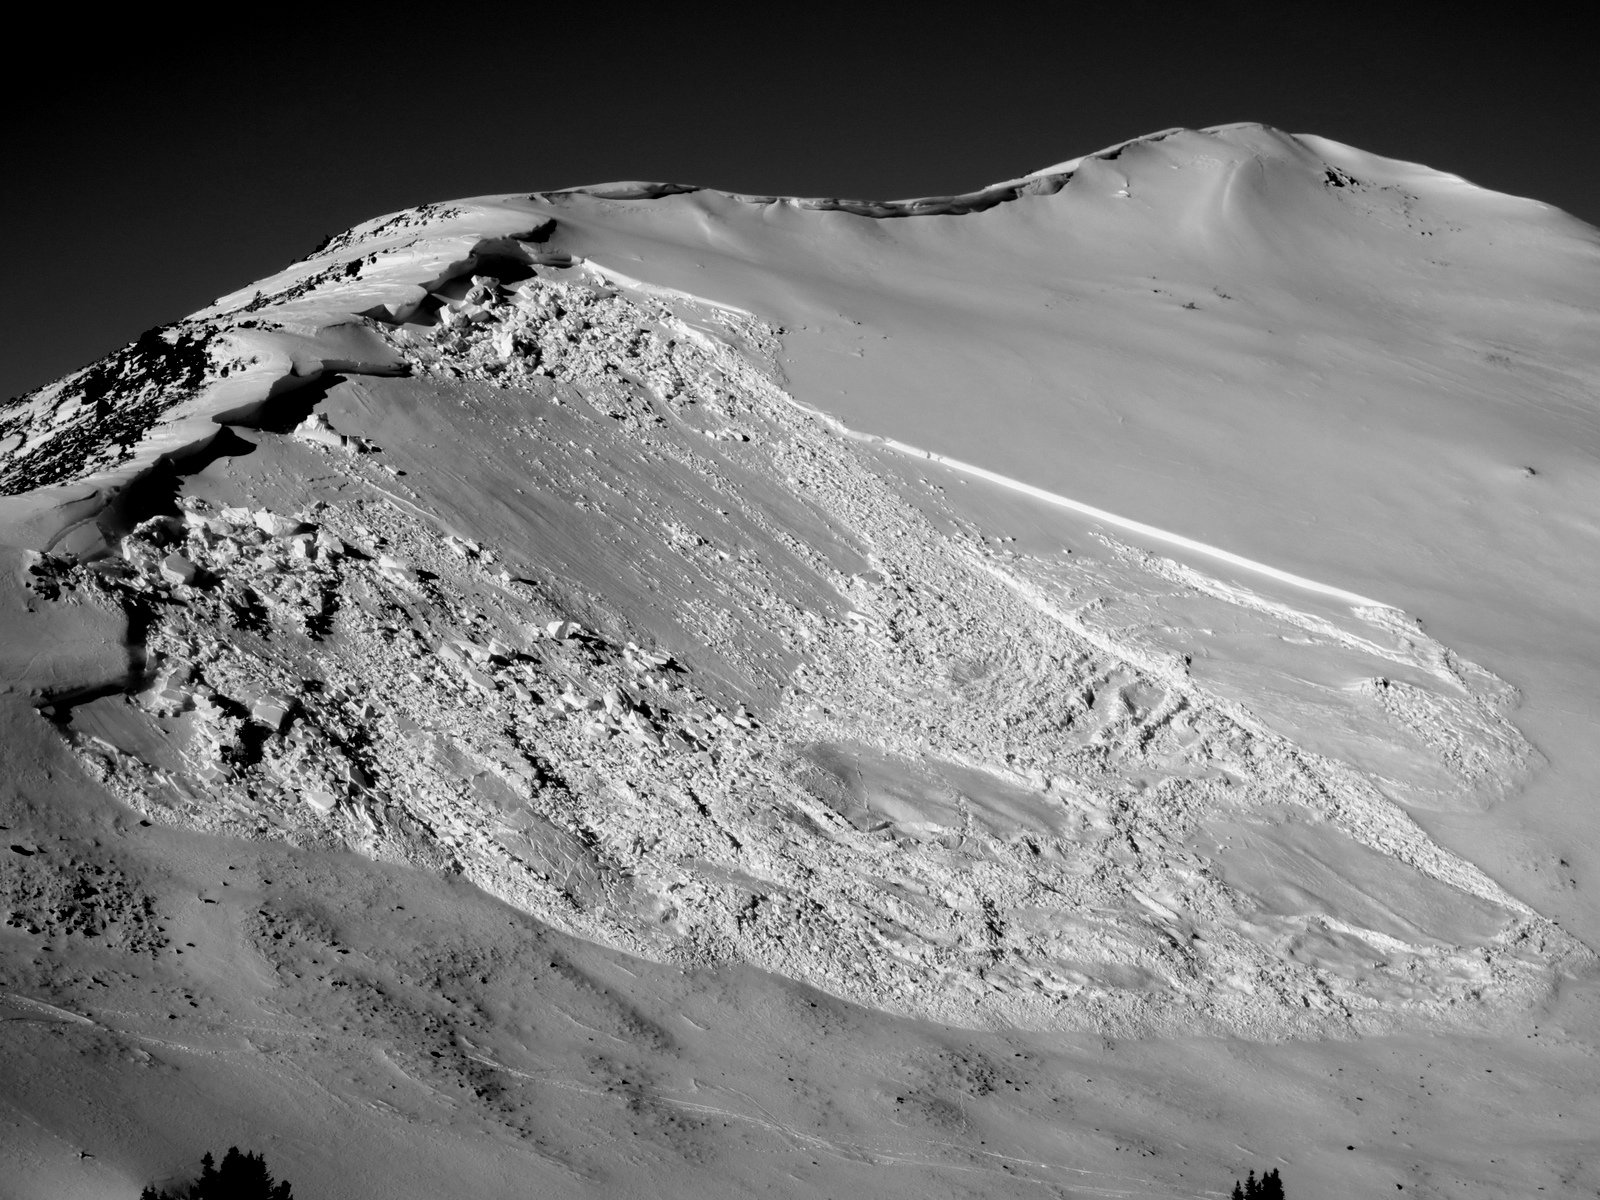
x=176, y=569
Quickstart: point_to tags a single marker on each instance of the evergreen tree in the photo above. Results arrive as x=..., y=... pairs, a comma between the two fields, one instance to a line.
x=1268, y=1187
x=242, y=1176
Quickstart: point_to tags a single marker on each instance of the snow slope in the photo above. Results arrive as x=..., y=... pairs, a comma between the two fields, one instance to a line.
x=1141, y=602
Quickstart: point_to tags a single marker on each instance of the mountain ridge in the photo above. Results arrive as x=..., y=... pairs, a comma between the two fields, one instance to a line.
x=1137, y=624
x=499, y=235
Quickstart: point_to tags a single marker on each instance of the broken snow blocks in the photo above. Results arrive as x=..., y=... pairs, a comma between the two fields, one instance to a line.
x=273, y=711
x=179, y=571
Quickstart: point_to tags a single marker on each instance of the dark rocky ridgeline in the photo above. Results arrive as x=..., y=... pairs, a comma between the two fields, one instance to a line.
x=106, y=408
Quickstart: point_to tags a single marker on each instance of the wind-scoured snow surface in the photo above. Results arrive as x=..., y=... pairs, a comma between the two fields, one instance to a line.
x=1125, y=601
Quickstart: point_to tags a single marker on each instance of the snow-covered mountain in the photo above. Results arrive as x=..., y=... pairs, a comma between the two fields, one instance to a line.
x=1084, y=685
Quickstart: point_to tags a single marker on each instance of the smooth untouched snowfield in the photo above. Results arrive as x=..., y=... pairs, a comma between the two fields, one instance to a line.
x=1084, y=688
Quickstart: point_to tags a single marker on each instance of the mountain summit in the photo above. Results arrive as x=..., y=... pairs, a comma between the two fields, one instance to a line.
x=1144, y=599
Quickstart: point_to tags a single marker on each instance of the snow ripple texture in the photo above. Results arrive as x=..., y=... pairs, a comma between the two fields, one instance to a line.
x=732, y=686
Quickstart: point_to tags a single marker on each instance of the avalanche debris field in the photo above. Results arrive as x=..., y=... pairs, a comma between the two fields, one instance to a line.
x=484, y=714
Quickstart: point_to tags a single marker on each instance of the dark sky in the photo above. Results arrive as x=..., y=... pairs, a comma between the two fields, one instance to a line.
x=148, y=173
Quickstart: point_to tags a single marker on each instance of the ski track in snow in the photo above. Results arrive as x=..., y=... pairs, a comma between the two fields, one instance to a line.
x=850, y=1151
